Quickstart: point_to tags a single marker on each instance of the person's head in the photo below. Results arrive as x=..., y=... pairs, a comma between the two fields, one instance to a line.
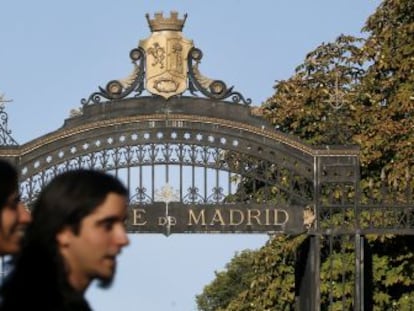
x=79, y=216
x=14, y=216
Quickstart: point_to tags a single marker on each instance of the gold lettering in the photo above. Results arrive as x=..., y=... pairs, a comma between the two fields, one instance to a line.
x=138, y=215
x=162, y=221
x=253, y=214
x=241, y=217
x=172, y=221
x=277, y=214
x=192, y=217
x=217, y=217
x=267, y=211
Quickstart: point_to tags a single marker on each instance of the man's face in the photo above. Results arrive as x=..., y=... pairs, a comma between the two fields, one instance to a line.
x=92, y=252
x=14, y=219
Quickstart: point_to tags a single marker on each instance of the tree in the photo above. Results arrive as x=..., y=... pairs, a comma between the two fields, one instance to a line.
x=351, y=91
x=313, y=102
x=230, y=283
x=387, y=141
x=255, y=280
x=387, y=92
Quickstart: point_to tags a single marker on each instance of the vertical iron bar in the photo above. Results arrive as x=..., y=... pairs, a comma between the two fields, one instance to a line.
x=116, y=161
x=330, y=239
x=193, y=172
x=167, y=159
x=129, y=177
x=317, y=271
x=152, y=172
x=205, y=156
x=359, y=245
x=228, y=183
x=362, y=272
x=181, y=160
x=217, y=165
x=343, y=240
x=317, y=171
x=128, y=153
x=358, y=272
x=140, y=177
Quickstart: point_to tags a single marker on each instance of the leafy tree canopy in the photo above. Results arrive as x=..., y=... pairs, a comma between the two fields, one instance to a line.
x=350, y=91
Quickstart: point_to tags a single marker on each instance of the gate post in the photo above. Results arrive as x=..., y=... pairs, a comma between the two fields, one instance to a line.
x=307, y=279
x=363, y=272
x=316, y=260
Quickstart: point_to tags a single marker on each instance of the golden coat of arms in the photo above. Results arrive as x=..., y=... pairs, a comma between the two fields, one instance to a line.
x=166, y=64
x=166, y=53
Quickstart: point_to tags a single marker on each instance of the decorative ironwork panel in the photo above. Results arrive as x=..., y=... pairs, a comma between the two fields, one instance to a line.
x=195, y=161
x=387, y=209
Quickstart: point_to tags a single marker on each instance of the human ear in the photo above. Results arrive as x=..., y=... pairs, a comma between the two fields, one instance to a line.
x=64, y=237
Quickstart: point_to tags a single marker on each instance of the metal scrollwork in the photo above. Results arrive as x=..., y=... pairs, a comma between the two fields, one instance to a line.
x=140, y=196
x=118, y=89
x=193, y=196
x=217, y=195
x=164, y=85
x=215, y=89
x=5, y=134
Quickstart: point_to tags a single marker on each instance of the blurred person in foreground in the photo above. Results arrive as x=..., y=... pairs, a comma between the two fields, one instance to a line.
x=14, y=217
x=77, y=232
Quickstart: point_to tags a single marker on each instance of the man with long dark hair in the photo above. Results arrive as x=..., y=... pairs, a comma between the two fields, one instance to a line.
x=14, y=216
x=76, y=233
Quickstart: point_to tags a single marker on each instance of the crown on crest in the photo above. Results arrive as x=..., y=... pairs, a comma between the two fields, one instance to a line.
x=160, y=23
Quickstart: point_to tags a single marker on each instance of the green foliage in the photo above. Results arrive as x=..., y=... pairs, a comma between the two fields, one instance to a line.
x=338, y=273
x=351, y=91
x=228, y=284
x=387, y=93
x=393, y=271
x=256, y=280
x=311, y=104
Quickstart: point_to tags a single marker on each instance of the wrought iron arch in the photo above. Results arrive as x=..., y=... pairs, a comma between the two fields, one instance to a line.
x=159, y=123
x=183, y=131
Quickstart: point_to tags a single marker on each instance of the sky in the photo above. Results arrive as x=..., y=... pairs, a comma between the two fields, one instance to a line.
x=54, y=53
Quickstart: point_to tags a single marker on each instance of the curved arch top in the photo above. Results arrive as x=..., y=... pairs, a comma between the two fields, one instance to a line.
x=222, y=124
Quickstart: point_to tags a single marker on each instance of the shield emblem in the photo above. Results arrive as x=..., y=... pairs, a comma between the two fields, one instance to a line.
x=166, y=63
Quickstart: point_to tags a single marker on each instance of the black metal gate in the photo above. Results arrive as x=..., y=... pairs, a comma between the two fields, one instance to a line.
x=192, y=164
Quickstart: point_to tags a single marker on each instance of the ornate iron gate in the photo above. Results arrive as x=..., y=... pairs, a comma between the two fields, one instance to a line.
x=192, y=163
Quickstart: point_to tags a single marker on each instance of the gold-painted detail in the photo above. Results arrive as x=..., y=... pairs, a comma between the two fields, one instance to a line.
x=127, y=81
x=308, y=217
x=203, y=80
x=160, y=23
x=166, y=85
x=166, y=53
x=158, y=55
x=237, y=217
x=166, y=63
